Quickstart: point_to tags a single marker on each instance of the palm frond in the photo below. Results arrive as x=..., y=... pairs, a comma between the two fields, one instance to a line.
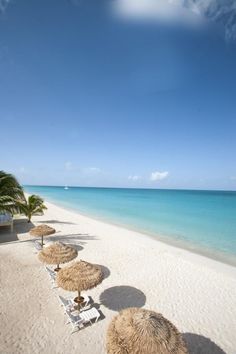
x=32, y=206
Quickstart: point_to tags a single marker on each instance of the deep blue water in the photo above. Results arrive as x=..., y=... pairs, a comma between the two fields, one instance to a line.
x=204, y=220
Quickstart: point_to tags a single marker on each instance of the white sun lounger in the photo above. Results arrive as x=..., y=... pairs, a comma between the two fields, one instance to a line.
x=69, y=304
x=75, y=320
x=86, y=300
x=38, y=246
x=52, y=276
x=89, y=315
x=51, y=273
x=78, y=320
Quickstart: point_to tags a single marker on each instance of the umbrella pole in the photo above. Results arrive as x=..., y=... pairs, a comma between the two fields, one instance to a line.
x=79, y=306
x=42, y=241
x=78, y=302
x=57, y=268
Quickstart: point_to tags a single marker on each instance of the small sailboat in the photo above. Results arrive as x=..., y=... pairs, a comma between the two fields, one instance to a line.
x=66, y=187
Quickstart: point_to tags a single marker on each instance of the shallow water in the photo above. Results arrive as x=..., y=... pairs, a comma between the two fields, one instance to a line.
x=205, y=220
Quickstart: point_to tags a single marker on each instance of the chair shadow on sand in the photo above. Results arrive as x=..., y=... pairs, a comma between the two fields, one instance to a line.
x=198, y=344
x=121, y=297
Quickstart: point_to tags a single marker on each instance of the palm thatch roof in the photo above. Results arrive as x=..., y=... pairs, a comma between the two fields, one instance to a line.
x=140, y=331
x=42, y=230
x=57, y=253
x=79, y=276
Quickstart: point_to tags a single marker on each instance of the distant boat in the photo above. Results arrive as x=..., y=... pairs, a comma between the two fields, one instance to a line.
x=66, y=187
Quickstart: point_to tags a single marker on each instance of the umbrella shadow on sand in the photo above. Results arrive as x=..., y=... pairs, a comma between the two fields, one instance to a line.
x=198, y=344
x=105, y=271
x=121, y=297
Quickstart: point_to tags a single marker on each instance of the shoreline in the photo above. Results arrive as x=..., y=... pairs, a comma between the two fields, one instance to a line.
x=185, y=252
x=214, y=255
x=197, y=294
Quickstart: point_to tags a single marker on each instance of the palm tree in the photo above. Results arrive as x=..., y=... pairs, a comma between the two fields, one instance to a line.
x=10, y=192
x=32, y=206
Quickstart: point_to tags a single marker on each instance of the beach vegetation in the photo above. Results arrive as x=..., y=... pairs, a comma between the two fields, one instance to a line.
x=33, y=205
x=13, y=200
x=11, y=193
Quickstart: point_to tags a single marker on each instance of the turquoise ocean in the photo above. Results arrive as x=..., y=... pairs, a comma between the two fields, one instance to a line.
x=203, y=221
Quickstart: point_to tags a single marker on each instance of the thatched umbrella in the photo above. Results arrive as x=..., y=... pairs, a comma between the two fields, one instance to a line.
x=42, y=230
x=78, y=277
x=139, y=331
x=57, y=253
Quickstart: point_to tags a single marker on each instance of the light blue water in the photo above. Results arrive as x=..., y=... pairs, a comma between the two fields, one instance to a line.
x=202, y=220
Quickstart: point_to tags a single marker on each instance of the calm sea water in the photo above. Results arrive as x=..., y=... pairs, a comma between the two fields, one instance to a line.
x=204, y=221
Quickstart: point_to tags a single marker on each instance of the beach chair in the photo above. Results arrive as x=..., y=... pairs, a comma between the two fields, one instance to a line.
x=52, y=277
x=38, y=246
x=6, y=219
x=91, y=314
x=79, y=320
x=75, y=320
x=69, y=304
x=86, y=300
x=51, y=273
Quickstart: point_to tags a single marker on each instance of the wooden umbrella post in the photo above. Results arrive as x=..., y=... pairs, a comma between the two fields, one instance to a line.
x=78, y=277
x=57, y=268
x=41, y=231
x=79, y=300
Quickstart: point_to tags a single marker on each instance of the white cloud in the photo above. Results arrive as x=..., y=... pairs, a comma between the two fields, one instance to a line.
x=158, y=176
x=221, y=12
x=90, y=172
x=69, y=166
x=190, y=11
x=93, y=170
x=134, y=178
x=167, y=10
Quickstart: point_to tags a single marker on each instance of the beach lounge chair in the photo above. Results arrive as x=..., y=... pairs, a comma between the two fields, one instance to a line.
x=51, y=273
x=38, y=246
x=69, y=304
x=86, y=300
x=75, y=320
x=89, y=315
x=52, y=276
x=84, y=317
x=6, y=219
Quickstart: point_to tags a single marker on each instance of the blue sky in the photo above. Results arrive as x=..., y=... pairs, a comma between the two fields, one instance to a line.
x=106, y=94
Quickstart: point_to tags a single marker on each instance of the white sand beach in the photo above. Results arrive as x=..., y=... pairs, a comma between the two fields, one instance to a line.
x=196, y=293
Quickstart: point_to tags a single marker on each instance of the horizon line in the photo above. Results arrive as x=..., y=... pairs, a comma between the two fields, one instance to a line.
x=143, y=188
